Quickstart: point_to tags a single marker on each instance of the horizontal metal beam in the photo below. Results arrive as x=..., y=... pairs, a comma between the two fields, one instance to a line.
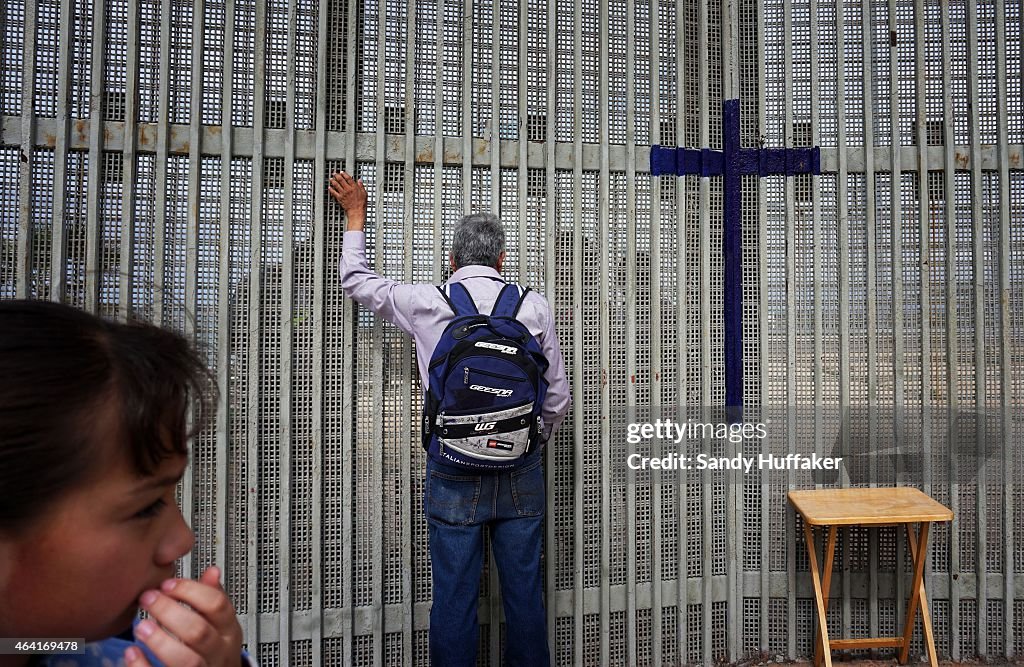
x=395, y=147
x=362, y=619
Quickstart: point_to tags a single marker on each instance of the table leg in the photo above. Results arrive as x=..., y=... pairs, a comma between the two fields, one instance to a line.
x=918, y=553
x=816, y=580
x=826, y=584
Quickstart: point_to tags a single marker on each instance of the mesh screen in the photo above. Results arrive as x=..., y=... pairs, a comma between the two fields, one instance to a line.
x=861, y=285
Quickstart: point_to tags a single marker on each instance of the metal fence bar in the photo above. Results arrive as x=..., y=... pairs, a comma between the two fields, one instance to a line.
x=816, y=234
x=224, y=325
x=682, y=246
x=286, y=371
x=655, y=370
x=163, y=128
x=408, y=354
x=630, y=326
x=952, y=342
x=705, y=309
x=762, y=328
x=523, y=129
x=1005, y=335
x=25, y=228
x=790, y=271
x=577, y=332
x=192, y=220
x=321, y=273
x=872, y=313
x=549, y=281
x=93, y=237
x=896, y=257
x=255, y=300
x=733, y=486
x=58, y=250
x=467, y=106
x=604, y=325
x=978, y=293
x=924, y=260
x=349, y=315
x=377, y=511
x=438, y=143
x=128, y=166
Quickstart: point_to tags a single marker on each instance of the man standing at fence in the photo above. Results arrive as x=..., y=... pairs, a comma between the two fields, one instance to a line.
x=459, y=503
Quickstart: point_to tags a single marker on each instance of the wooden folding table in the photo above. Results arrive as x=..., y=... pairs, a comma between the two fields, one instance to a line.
x=869, y=507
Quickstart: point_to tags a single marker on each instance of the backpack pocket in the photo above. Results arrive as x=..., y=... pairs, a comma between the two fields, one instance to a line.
x=493, y=437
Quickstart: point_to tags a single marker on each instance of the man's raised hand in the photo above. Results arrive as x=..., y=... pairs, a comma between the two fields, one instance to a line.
x=351, y=194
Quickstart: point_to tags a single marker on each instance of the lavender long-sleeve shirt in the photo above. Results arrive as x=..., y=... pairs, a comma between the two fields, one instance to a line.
x=420, y=311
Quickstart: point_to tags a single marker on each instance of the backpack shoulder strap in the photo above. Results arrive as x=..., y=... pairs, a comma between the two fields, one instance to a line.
x=459, y=299
x=444, y=295
x=509, y=301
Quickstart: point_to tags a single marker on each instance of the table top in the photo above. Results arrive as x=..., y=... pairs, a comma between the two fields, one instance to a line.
x=867, y=506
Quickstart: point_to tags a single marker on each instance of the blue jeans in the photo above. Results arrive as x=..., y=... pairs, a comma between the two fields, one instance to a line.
x=458, y=505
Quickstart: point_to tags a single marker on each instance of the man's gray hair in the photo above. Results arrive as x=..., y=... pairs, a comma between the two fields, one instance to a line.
x=479, y=239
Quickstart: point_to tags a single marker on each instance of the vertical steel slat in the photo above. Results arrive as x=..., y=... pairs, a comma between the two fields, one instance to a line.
x=550, y=544
x=24, y=257
x=896, y=253
x=871, y=317
x=94, y=235
x=952, y=340
x=128, y=167
x=682, y=588
x=494, y=144
x=1005, y=331
x=762, y=327
x=896, y=257
x=705, y=309
x=604, y=325
x=287, y=353
x=522, y=171
x=163, y=122
x=495, y=134
x=438, y=145
x=843, y=232
x=378, y=432
x=58, y=250
x=321, y=274
x=224, y=325
x=577, y=328
x=191, y=310
x=467, y=106
x=255, y=301
x=733, y=488
x=978, y=292
x=631, y=312
x=791, y=389
x=654, y=324
x=816, y=233
x=408, y=367
x=924, y=261
x=195, y=135
x=921, y=139
x=349, y=315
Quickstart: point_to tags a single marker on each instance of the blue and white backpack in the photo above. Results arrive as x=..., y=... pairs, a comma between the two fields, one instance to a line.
x=487, y=386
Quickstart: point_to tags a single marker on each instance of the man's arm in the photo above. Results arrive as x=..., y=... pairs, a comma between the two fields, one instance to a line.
x=557, y=400
x=384, y=296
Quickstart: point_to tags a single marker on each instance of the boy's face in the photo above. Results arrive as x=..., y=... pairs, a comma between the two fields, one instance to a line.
x=80, y=569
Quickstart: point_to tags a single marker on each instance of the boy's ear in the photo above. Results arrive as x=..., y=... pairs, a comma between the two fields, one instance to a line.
x=451, y=262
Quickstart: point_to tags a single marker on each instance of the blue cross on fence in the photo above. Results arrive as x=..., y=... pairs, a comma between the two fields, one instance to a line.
x=732, y=162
